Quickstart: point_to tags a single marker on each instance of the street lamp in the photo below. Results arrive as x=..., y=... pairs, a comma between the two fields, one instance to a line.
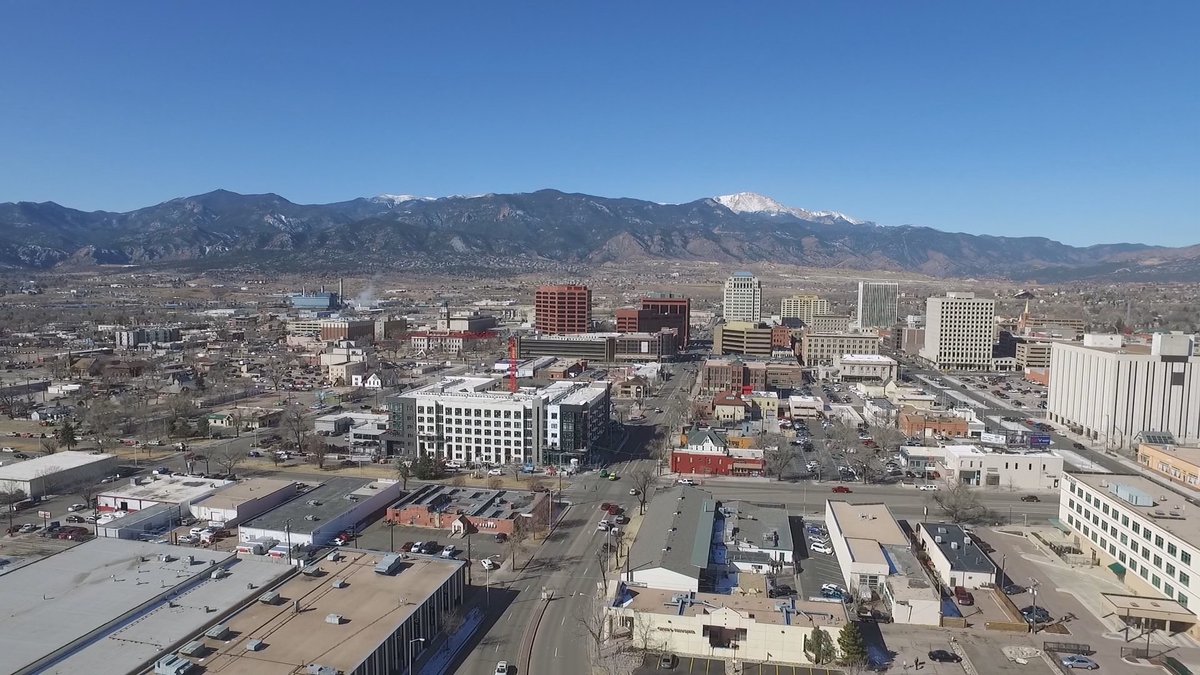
x=409, y=650
x=287, y=528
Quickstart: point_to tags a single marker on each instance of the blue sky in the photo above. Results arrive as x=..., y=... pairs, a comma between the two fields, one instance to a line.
x=1075, y=120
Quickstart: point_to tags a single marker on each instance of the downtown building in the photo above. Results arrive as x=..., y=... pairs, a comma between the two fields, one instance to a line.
x=960, y=330
x=823, y=349
x=562, y=310
x=655, y=312
x=466, y=419
x=803, y=307
x=877, y=304
x=742, y=299
x=1112, y=392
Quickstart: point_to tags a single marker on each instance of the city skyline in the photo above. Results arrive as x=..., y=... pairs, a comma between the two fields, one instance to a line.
x=1071, y=121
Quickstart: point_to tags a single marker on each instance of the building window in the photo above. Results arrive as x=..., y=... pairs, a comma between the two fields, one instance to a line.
x=1169, y=590
x=1170, y=570
x=1185, y=557
x=1137, y=528
x=1125, y=521
x=1184, y=578
x=1158, y=541
x=1171, y=550
x=1155, y=580
x=1157, y=560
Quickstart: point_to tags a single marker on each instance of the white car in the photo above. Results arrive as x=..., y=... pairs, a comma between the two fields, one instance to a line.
x=448, y=552
x=502, y=668
x=489, y=564
x=603, y=526
x=495, y=472
x=927, y=487
x=822, y=547
x=76, y=507
x=686, y=481
x=7, y=449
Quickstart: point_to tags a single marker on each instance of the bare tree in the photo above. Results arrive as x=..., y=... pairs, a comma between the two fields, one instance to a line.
x=85, y=490
x=458, y=481
x=226, y=456
x=451, y=620
x=495, y=483
x=403, y=473
x=841, y=435
x=778, y=459
x=276, y=370
x=294, y=424
x=593, y=623
x=960, y=503
x=103, y=418
x=515, y=543
x=642, y=480
x=316, y=446
x=537, y=484
x=50, y=445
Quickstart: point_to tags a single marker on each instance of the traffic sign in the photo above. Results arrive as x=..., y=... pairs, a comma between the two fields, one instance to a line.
x=44, y=514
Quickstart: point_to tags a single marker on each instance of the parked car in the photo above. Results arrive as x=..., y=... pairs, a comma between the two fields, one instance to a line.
x=963, y=596
x=927, y=487
x=495, y=472
x=686, y=481
x=1014, y=589
x=27, y=528
x=502, y=668
x=449, y=551
x=842, y=489
x=1079, y=661
x=74, y=518
x=1031, y=498
x=489, y=564
x=1035, y=614
x=666, y=662
x=429, y=547
x=822, y=547
x=76, y=507
x=407, y=546
x=500, y=537
x=944, y=656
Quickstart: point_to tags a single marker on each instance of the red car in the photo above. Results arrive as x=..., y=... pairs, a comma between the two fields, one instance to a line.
x=842, y=489
x=614, y=509
x=605, y=506
x=407, y=546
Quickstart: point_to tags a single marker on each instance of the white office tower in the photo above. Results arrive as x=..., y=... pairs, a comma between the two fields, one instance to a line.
x=803, y=307
x=743, y=298
x=959, y=332
x=877, y=304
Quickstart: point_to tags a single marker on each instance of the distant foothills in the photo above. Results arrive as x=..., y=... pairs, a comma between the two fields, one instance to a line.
x=542, y=229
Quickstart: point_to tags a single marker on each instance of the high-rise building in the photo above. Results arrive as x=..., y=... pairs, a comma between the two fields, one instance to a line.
x=657, y=311
x=743, y=298
x=803, y=307
x=562, y=310
x=960, y=330
x=877, y=304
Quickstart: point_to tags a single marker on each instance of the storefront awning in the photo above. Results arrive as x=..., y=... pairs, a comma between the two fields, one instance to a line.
x=1118, y=569
x=1060, y=525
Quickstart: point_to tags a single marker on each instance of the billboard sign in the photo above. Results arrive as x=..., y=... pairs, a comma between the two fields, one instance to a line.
x=1039, y=440
x=44, y=514
x=993, y=439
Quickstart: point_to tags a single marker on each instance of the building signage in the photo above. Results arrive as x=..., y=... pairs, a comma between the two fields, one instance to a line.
x=993, y=439
x=677, y=630
x=1039, y=440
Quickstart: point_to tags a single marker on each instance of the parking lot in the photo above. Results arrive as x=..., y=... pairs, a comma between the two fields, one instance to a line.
x=684, y=665
x=380, y=536
x=813, y=569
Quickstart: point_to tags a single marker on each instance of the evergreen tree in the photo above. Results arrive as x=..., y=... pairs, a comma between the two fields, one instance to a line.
x=851, y=645
x=67, y=436
x=819, y=646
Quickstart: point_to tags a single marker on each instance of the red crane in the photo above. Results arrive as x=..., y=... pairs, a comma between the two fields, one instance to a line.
x=512, y=365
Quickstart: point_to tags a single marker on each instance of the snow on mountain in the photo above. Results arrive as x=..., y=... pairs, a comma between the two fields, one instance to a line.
x=751, y=202
x=393, y=200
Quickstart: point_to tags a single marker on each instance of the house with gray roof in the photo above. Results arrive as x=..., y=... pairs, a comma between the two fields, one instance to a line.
x=954, y=554
x=674, y=543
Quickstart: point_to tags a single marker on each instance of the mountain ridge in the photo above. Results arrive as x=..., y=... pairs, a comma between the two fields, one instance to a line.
x=546, y=227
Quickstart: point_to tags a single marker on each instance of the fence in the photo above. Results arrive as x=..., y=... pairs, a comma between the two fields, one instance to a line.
x=1067, y=647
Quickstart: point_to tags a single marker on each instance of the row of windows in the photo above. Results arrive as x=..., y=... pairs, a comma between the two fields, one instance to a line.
x=470, y=412
x=1133, y=565
x=1144, y=533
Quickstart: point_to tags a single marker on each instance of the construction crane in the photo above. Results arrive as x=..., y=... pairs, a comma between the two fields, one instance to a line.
x=512, y=365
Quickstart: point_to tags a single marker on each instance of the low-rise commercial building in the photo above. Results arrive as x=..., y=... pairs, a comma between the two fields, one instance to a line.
x=1013, y=470
x=466, y=510
x=246, y=500
x=602, y=347
x=49, y=474
x=708, y=453
x=671, y=551
x=865, y=368
x=322, y=512
x=1146, y=535
x=955, y=556
x=142, y=493
x=711, y=625
x=929, y=423
x=758, y=537
x=720, y=374
x=877, y=561
x=111, y=606
x=351, y=618
x=1177, y=463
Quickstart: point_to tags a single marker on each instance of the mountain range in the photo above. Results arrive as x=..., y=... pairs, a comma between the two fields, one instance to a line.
x=495, y=232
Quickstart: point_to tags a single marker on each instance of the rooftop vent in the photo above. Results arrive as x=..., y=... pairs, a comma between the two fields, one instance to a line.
x=218, y=573
x=333, y=556
x=217, y=632
x=193, y=648
x=339, y=583
x=254, y=645
x=335, y=619
x=269, y=598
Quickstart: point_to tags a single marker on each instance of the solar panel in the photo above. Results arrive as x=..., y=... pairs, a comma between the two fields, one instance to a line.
x=1158, y=437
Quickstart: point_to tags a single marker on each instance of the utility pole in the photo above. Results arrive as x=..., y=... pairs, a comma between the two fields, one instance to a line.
x=1033, y=587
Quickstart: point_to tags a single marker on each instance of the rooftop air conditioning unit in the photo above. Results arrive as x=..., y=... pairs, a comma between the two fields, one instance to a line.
x=339, y=583
x=335, y=619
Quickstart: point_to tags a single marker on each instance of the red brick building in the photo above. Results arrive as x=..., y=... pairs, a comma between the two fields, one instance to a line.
x=468, y=509
x=562, y=310
x=706, y=453
x=656, y=312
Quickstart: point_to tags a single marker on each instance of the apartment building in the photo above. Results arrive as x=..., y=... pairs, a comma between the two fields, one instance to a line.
x=877, y=304
x=735, y=375
x=468, y=420
x=563, y=309
x=1111, y=392
x=803, y=307
x=820, y=349
x=742, y=298
x=336, y=330
x=960, y=330
x=1146, y=535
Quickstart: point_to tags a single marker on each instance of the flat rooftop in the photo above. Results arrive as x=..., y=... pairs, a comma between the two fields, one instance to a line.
x=867, y=521
x=469, y=501
x=877, y=359
x=168, y=489
x=245, y=491
x=958, y=548
x=325, y=501
x=757, y=608
x=1184, y=454
x=1168, y=509
x=39, y=466
x=373, y=606
x=61, y=600
x=978, y=451
x=762, y=525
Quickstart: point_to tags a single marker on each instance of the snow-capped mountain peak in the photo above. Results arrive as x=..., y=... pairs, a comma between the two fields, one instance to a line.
x=752, y=202
x=393, y=200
